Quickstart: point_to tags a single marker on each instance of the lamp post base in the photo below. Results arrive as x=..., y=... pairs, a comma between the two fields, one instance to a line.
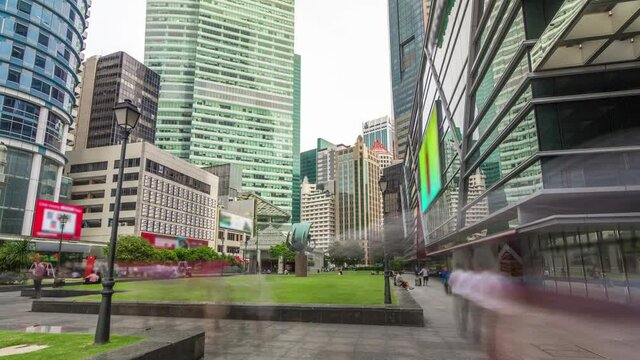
x=103, y=329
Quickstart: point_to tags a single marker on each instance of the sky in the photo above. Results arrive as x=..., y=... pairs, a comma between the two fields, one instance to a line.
x=344, y=45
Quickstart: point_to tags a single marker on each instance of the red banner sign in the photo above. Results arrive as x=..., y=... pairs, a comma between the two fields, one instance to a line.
x=172, y=242
x=47, y=222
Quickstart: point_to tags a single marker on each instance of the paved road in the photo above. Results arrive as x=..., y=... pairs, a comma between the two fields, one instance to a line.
x=523, y=332
x=236, y=339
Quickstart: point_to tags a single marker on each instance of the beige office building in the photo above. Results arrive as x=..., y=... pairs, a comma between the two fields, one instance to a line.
x=164, y=199
x=318, y=209
x=358, y=196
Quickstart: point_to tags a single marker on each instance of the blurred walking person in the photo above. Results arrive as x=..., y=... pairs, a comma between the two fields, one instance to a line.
x=425, y=275
x=37, y=272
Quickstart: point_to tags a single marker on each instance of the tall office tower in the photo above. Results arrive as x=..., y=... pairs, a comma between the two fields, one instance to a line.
x=326, y=165
x=227, y=87
x=318, y=209
x=229, y=182
x=407, y=20
x=42, y=43
x=526, y=143
x=358, y=196
x=309, y=160
x=295, y=185
x=382, y=130
x=106, y=81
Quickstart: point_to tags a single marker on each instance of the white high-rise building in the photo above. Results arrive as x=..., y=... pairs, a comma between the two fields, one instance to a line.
x=318, y=209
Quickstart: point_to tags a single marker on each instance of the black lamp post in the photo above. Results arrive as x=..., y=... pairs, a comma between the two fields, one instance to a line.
x=387, y=273
x=244, y=254
x=63, y=221
x=127, y=116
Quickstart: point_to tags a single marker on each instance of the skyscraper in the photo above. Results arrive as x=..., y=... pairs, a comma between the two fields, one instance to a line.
x=382, y=130
x=42, y=44
x=109, y=80
x=309, y=160
x=295, y=185
x=407, y=20
x=358, y=197
x=227, y=87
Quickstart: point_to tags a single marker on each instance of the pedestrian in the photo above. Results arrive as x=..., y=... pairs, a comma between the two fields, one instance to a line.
x=37, y=272
x=444, y=275
x=425, y=275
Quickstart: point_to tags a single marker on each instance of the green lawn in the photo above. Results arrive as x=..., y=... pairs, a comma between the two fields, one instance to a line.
x=352, y=288
x=61, y=346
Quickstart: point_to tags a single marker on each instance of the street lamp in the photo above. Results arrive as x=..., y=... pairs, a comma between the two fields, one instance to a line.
x=127, y=116
x=387, y=289
x=63, y=221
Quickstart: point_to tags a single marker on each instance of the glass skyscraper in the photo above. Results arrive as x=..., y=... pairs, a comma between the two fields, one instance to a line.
x=407, y=20
x=297, y=180
x=40, y=53
x=227, y=87
x=531, y=140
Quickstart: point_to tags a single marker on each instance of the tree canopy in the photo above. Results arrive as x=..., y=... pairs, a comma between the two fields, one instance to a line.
x=282, y=250
x=346, y=252
x=16, y=255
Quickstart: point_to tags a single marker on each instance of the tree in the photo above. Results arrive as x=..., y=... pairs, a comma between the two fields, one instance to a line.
x=133, y=248
x=16, y=256
x=166, y=255
x=181, y=254
x=203, y=253
x=397, y=263
x=346, y=252
x=283, y=250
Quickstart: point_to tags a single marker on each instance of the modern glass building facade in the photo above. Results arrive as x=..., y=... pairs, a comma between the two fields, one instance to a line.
x=41, y=45
x=381, y=130
x=407, y=20
x=297, y=180
x=107, y=81
x=227, y=87
x=539, y=158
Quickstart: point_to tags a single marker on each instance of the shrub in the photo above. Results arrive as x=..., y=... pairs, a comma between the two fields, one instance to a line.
x=16, y=256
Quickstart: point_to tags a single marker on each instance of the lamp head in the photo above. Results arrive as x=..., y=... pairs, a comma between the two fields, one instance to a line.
x=127, y=114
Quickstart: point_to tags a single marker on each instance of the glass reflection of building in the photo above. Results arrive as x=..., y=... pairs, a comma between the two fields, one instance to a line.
x=549, y=160
x=41, y=53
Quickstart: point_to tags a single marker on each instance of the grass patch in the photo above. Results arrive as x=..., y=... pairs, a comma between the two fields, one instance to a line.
x=352, y=288
x=61, y=346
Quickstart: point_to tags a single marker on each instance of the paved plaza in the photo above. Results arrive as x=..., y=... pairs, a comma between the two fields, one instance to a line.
x=529, y=333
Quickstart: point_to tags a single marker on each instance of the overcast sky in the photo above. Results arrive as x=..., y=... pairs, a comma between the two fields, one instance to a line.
x=344, y=46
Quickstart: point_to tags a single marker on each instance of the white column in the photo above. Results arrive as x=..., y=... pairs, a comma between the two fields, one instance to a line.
x=29, y=208
x=42, y=125
x=65, y=136
x=56, y=192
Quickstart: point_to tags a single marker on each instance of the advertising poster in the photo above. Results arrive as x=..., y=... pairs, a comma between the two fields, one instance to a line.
x=234, y=222
x=47, y=220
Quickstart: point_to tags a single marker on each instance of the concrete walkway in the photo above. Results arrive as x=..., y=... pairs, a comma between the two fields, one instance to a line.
x=236, y=339
x=526, y=331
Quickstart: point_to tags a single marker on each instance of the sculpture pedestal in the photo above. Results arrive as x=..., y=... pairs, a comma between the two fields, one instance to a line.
x=301, y=265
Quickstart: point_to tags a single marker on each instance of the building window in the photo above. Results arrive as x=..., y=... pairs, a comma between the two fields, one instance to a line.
x=126, y=191
x=21, y=29
x=16, y=173
x=43, y=40
x=95, y=166
x=14, y=76
x=95, y=223
x=60, y=73
x=54, y=133
x=57, y=94
x=19, y=119
x=17, y=52
x=127, y=163
x=24, y=7
x=41, y=62
x=40, y=86
x=125, y=206
x=127, y=177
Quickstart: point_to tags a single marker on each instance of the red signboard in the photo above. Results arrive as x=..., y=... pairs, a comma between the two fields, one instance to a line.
x=172, y=242
x=46, y=222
